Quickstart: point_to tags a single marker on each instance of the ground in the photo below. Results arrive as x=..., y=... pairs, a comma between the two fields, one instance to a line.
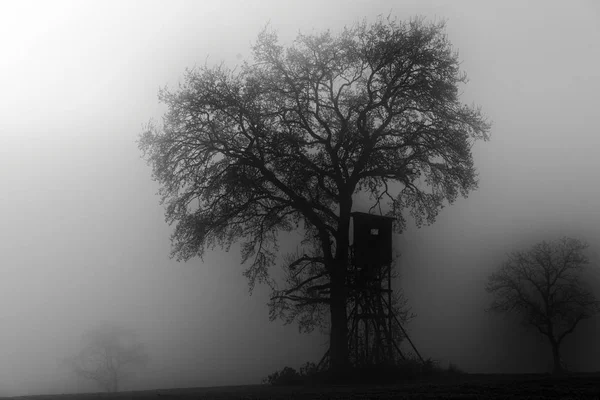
x=584, y=386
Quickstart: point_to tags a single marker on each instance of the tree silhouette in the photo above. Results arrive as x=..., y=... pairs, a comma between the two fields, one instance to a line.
x=544, y=286
x=285, y=142
x=110, y=353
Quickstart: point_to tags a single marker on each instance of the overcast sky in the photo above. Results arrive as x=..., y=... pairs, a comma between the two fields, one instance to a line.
x=83, y=237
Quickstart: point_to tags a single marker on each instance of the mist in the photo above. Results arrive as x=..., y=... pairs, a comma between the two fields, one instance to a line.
x=83, y=237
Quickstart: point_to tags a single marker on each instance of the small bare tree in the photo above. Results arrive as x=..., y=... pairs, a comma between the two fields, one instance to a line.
x=109, y=356
x=544, y=286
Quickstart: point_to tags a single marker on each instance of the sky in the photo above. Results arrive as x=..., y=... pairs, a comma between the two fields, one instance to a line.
x=83, y=237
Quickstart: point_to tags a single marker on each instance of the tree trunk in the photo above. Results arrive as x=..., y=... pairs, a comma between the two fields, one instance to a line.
x=114, y=381
x=338, y=340
x=558, y=369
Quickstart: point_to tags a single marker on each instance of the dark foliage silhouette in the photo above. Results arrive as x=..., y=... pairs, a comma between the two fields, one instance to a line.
x=290, y=377
x=401, y=371
x=544, y=285
x=284, y=143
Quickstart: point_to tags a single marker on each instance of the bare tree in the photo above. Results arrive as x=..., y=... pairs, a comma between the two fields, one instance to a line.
x=286, y=142
x=544, y=286
x=109, y=355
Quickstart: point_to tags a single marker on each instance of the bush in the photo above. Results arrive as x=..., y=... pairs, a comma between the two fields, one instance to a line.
x=432, y=368
x=308, y=369
x=400, y=371
x=453, y=369
x=286, y=377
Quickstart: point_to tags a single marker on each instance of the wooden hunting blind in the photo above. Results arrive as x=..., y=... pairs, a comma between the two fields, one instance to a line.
x=372, y=239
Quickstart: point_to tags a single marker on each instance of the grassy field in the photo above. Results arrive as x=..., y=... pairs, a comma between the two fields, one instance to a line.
x=468, y=386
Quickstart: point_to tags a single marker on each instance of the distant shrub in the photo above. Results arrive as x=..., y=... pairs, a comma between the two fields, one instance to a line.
x=286, y=377
x=290, y=377
x=431, y=367
x=308, y=369
x=453, y=369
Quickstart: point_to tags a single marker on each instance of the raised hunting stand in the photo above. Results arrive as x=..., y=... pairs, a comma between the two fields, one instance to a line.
x=372, y=324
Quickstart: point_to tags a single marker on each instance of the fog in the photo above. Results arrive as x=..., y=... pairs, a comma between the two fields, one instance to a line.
x=82, y=233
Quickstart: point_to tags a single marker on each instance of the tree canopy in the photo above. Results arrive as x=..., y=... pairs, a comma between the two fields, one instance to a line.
x=285, y=141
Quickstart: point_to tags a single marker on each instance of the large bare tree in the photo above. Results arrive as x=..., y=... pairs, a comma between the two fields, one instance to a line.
x=109, y=355
x=284, y=142
x=544, y=285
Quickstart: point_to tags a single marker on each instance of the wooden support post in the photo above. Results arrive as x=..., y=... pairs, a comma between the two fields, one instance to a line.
x=409, y=341
x=390, y=310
